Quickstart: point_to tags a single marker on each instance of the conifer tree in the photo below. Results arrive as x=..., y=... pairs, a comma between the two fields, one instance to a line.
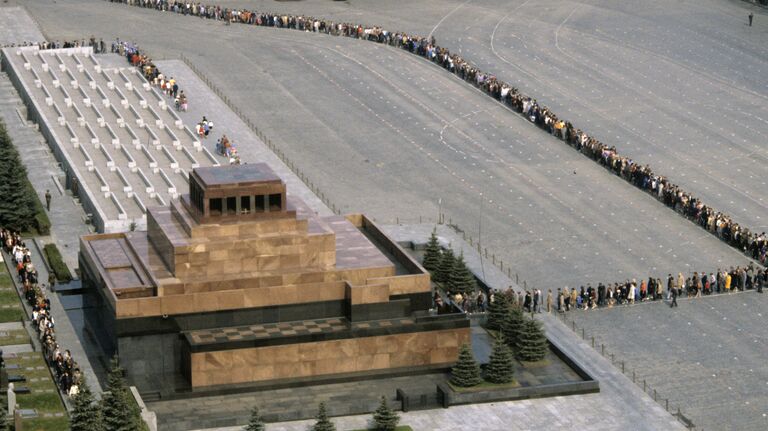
x=17, y=207
x=497, y=311
x=432, y=253
x=323, y=423
x=460, y=279
x=5, y=422
x=445, y=268
x=384, y=418
x=256, y=422
x=532, y=343
x=119, y=411
x=501, y=368
x=512, y=326
x=86, y=412
x=465, y=373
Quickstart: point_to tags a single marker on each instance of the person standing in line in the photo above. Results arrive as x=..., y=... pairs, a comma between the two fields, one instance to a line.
x=549, y=301
x=750, y=18
x=674, y=299
x=540, y=300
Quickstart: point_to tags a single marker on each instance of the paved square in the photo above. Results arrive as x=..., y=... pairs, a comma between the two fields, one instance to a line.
x=707, y=355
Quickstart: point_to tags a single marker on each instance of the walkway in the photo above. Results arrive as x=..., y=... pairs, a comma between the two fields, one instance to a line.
x=204, y=102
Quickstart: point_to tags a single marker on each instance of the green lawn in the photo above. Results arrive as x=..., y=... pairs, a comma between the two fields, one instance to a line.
x=18, y=336
x=5, y=279
x=11, y=314
x=9, y=297
x=46, y=424
x=38, y=399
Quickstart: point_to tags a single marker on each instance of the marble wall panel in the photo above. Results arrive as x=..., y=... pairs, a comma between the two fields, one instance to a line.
x=352, y=355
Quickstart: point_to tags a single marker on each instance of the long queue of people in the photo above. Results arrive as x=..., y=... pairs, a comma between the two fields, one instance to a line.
x=630, y=292
x=98, y=46
x=716, y=222
x=67, y=372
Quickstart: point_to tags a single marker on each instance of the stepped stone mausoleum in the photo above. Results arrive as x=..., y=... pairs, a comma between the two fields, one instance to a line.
x=239, y=284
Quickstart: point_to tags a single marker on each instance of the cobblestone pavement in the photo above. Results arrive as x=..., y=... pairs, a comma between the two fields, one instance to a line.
x=385, y=133
x=707, y=355
x=17, y=27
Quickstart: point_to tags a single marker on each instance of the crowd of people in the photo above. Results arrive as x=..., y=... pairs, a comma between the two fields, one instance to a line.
x=716, y=222
x=98, y=46
x=475, y=302
x=170, y=88
x=630, y=292
x=66, y=371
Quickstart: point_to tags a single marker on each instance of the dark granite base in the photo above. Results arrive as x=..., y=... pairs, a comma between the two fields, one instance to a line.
x=425, y=324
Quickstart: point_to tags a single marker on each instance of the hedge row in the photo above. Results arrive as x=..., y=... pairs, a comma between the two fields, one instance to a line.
x=57, y=264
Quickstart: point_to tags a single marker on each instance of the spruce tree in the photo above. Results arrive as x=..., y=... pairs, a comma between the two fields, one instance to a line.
x=17, y=207
x=445, y=268
x=119, y=411
x=460, y=279
x=465, y=373
x=432, y=253
x=512, y=326
x=5, y=422
x=323, y=423
x=86, y=412
x=497, y=311
x=384, y=418
x=532, y=344
x=501, y=368
x=256, y=423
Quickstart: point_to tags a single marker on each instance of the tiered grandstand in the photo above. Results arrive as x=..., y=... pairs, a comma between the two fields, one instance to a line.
x=122, y=146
